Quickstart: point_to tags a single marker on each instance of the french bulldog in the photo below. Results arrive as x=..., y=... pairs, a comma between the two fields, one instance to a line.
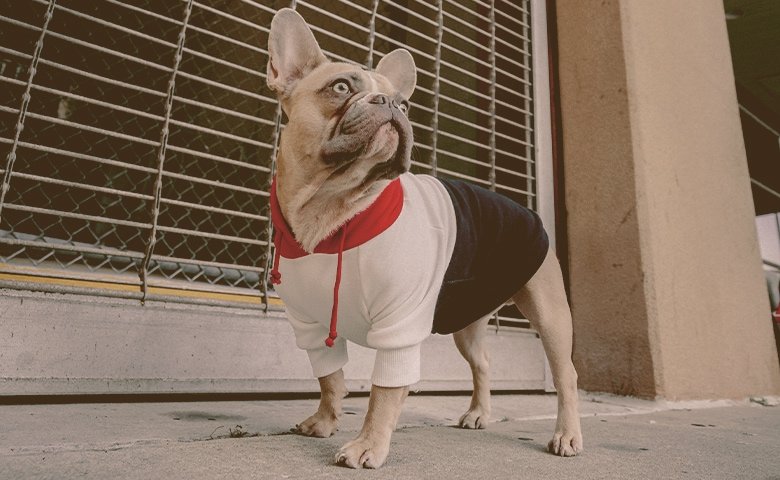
x=370, y=253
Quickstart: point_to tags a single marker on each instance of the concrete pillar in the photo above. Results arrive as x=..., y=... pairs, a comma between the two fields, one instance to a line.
x=666, y=284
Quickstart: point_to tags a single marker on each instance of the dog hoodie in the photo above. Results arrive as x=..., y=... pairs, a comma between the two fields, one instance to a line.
x=430, y=255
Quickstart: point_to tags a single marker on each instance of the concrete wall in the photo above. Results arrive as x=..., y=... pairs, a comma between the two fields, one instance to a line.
x=666, y=283
x=76, y=344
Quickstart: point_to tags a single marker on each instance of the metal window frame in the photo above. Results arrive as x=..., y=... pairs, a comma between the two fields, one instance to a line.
x=538, y=179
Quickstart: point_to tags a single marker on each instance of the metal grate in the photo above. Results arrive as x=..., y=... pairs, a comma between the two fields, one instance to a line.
x=137, y=136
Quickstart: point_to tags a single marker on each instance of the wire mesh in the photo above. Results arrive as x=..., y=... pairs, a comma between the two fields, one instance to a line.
x=141, y=142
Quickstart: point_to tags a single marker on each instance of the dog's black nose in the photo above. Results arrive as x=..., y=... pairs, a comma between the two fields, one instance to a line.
x=379, y=99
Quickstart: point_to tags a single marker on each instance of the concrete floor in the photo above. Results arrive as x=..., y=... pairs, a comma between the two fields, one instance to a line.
x=624, y=438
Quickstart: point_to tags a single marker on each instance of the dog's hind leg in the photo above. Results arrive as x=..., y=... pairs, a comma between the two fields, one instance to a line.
x=324, y=422
x=543, y=301
x=471, y=344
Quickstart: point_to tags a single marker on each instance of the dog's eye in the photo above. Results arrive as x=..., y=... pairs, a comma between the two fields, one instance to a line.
x=341, y=88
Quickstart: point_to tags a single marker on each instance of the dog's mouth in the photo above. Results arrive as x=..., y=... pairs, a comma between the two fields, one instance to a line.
x=379, y=135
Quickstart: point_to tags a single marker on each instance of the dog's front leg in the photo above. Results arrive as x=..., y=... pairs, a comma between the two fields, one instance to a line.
x=325, y=422
x=372, y=445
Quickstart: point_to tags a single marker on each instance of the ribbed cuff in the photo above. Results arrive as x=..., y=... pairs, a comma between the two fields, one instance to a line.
x=397, y=368
x=327, y=360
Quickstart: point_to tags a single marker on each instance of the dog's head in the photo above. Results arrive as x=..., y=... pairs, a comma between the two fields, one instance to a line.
x=347, y=132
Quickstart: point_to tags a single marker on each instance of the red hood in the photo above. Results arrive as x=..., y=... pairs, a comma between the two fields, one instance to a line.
x=361, y=228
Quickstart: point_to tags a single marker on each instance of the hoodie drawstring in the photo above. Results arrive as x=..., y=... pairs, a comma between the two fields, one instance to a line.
x=334, y=313
x=276, y=277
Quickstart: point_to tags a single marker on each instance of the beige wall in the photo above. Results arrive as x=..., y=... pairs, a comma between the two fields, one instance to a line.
x=666, y=283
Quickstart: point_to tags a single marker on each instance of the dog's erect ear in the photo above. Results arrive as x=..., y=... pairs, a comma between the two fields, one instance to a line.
x=398, y=67
x=293, y=52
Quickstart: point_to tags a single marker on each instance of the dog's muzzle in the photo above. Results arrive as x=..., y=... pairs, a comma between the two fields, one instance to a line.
x=358, y=126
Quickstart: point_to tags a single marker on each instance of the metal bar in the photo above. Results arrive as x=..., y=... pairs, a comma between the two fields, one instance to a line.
x=516, y=173
x=164, y=132
x=521, y=51
x=205, y=181
x=217, y=158
x=463, y=158
x=135, y=112
x=226, y=111
x=11, y=157
x=81, y=98
x=81, y=126
x=128, y=6
x=340, y=58
x=337, y=37
x=101, y=78
x=214, y=236
x=512, y=4
x=80, y=248
x=462, y=139
x=218, y=133
x=225, y=38
x=206, y=263
x=156, y=117
x=533, y=201
x=420, y=126
x=515, y=190
x=77, y=216
x=514, y=34
x=140, y=168
x=421, y=165
x=94, y=188
x=515, y=18
x=404, y=27
x=477, y=110
x=354, y=5
x=482, y=164
x=464, y=24
x=758, y=120
x=413, y=13
x=115, y=26
x=229, y=88
x=492, y=117
x=487, y=64
x=437, y=87
x=474, y=125
x=80, y=156
x=15, y=53
x=222, y=14
x=261, y=7
x=269, y=230
x=464, y=176
x=226, y=63
x=765, y=188
x=210, y=209
x=338, y=18
x=372, y=35
x=109, y=51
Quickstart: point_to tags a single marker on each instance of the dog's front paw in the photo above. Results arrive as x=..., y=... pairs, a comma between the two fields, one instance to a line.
x=318, y=425
x=565, y=444
x=363, y=452
x=475, y=418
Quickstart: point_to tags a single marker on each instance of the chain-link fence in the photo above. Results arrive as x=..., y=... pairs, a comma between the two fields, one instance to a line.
x=137, y=136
